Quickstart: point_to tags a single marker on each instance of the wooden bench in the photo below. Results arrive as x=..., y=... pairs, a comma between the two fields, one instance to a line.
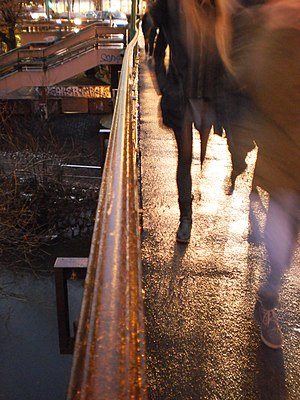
x=66, y=268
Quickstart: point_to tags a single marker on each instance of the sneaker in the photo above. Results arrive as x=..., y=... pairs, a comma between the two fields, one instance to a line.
x=270, y=331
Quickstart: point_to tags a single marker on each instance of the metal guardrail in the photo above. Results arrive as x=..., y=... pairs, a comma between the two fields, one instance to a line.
x=53, y=26
x=109, y=356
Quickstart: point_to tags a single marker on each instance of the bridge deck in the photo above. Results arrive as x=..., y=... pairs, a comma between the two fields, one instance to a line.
x=202, y=341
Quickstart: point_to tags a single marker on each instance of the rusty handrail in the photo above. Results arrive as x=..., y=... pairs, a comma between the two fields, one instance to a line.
x=109, y=356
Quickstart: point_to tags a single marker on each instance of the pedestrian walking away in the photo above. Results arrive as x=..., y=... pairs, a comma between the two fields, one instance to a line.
x=187, y=84
x=263, y=59
x=149, y=33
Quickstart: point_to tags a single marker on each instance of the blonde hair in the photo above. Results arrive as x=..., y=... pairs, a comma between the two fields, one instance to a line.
x=196, y=19
x=206, y=18
x=224, y=29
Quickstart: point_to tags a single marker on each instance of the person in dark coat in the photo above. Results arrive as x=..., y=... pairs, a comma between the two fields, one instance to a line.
x=187, y=85
x=149, y=33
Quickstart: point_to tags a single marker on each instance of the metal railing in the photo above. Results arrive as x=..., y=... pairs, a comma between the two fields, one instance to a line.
x=109, y=355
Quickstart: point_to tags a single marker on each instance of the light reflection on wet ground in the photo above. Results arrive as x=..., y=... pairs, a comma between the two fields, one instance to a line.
x=202, y=340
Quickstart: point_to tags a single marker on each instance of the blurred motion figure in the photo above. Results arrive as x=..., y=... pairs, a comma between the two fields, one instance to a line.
x=261, y=53
x=149, y=33
x=186, y=76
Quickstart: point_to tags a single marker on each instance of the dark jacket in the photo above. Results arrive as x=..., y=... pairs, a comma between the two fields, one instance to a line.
x=165, y=14
x=147, y=24
x=191, y=70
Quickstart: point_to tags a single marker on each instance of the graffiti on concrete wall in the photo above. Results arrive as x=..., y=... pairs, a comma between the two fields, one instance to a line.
x=79, y=91
x=111, y=58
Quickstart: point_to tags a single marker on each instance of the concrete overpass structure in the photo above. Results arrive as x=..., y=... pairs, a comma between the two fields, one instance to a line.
x=45, y=64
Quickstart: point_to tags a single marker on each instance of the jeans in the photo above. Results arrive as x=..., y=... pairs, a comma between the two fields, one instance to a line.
x=280, y=238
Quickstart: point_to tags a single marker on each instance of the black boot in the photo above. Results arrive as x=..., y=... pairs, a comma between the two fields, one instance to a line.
x=184, y=230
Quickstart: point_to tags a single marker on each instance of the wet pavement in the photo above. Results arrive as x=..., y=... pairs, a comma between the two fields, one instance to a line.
x=202, y=342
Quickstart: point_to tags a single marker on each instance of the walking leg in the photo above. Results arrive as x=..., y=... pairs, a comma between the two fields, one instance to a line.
x=281, y=231
x=184, y=182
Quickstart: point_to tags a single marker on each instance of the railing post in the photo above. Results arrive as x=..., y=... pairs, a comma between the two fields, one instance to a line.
x=133, y=18
x=62, y=304
x=97, y=41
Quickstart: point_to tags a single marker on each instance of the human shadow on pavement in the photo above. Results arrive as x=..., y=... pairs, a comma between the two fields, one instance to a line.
x=174, y=335
x=269, y=381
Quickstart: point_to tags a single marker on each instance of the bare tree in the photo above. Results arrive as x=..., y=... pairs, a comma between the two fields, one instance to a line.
x=11, y=14
x=37, y=202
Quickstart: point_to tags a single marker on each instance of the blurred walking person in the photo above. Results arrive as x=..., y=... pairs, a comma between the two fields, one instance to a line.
x=149, y=33
x=261, y=51
x=186, y=76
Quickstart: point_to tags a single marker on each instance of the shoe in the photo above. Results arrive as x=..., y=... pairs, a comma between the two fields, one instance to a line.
x=184, y=231
x=270, y=331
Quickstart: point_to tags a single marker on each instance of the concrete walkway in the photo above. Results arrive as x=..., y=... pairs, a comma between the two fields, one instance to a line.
x=202, y=341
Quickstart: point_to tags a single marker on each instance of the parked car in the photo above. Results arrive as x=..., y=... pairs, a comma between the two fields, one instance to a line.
x=113, y=18
x=91, y=14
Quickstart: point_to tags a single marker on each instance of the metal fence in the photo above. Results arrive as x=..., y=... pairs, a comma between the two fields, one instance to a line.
x=109, y=356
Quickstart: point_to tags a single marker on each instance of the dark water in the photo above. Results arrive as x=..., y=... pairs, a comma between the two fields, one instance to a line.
x=31, y=366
